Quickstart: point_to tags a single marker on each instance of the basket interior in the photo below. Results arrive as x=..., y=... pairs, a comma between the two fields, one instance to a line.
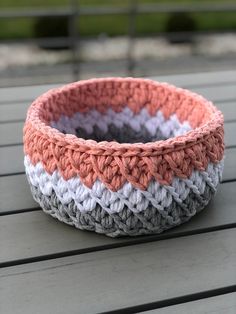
x=129, y=112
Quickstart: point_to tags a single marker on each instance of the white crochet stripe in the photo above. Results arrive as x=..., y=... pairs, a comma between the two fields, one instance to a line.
x=87, y=121
x=136, y=200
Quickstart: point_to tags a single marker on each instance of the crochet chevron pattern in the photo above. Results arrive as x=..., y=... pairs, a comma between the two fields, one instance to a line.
x=123, y=156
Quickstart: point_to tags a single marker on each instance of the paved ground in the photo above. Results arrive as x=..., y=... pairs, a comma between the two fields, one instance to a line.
x=27, y=64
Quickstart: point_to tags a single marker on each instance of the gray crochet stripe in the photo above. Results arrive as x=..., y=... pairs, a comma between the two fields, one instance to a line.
x=122, y=135
x=126, y=222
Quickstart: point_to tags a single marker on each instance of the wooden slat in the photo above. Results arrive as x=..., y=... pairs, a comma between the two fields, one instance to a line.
x=230, y=131
x=228, y=109
x=11, y=133
x=13, y=112
x=36, y=233
x=230, y=164
x=222, y=92
x=122, y=277
x=11, y=159
x=15, y=193
x=217, y=94
x=28, y=233
x=222, y=304
x=199, y=79
x=22, y=93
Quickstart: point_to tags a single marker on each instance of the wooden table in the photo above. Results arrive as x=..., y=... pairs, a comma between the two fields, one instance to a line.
x=49, y=267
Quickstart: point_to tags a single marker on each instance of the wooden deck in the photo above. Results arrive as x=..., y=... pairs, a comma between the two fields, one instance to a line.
x=49, y=267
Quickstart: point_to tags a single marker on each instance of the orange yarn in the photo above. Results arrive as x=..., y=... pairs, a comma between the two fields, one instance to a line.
x=114, y=163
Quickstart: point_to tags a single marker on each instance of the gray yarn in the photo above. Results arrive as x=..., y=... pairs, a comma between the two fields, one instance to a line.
x=122, y=135
x=126, y=222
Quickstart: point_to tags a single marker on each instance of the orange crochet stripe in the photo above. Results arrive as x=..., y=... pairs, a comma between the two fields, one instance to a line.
x=116, y=93
x=113, y=163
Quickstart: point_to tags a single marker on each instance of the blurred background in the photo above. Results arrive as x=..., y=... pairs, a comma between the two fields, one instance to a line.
x=59, y=41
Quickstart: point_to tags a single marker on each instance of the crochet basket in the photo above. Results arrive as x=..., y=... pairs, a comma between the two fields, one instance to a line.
x=123, y=156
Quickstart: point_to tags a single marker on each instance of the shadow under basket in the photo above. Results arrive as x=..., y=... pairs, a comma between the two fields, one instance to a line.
x=123, y=156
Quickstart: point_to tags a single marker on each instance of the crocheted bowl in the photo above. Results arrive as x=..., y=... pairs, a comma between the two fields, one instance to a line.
x=123, y=156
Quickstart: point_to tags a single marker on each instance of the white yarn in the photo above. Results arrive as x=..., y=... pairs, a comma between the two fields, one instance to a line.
x=87, y=121
x=136, y=200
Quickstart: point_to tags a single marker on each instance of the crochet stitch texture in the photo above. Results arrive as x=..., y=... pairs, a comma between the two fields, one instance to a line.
x=123, y=156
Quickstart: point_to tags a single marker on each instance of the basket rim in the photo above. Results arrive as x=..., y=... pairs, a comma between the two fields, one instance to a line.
x=192, y=137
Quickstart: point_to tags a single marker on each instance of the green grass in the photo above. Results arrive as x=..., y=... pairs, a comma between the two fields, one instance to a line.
x=18, y=29
x=215, y=21
x=112, y=25
x=48, y=3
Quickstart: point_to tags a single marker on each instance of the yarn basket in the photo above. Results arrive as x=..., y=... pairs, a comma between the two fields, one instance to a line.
x=123, y=156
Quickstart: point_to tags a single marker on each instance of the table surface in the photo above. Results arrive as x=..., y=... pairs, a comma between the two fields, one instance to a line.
x=49, y=267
